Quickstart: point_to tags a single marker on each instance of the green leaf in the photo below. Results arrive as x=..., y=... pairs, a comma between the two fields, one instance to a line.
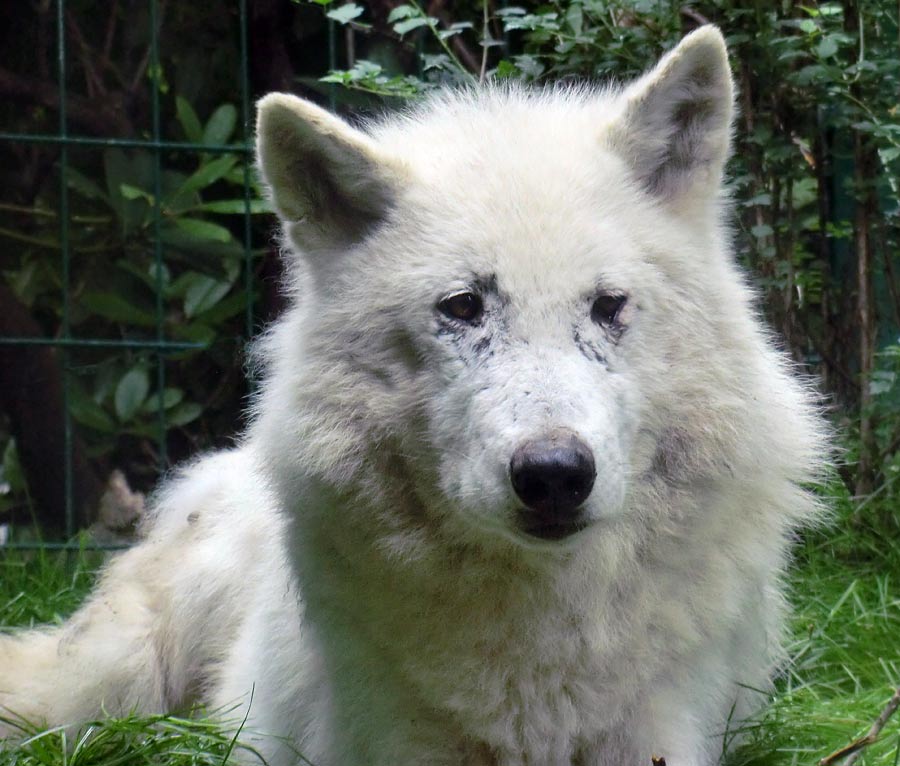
x=171, y=397
x=762, y=230
x=575, y=18
x=345, y=13
x=225, y=309
x=529, y=66
x=88, y=413
x=117, y=309
x=131, y=393
x=403, y=12
x=811, y=74
x=184, y=413
x=506, y=69
x=84, y=185
x=180, y=285
x=186, y=248
x=195, y=332
x=133, y=170
x=436, y=61
x=881, y=382
x=340, y=77
x=455, y=29
x=402, y=27
x=206, y=175
x=544, y=22
x=188, y=119
x=201, y=230
x=130, y=192
x=204, y=293
x=827, y=47
x=220, y=126
x=235, y=207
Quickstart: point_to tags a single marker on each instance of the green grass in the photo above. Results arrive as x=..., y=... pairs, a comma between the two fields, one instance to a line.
x=844, y=649
x=129, y=741
x=38, y=587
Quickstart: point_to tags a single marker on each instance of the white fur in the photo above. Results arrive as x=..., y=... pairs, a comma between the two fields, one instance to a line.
x=356, y=561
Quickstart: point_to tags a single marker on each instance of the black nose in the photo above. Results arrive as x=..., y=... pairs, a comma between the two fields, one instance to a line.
x=552, y=476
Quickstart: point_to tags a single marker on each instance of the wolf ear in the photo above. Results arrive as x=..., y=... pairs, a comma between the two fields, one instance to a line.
x=327, y=180
x=675, y=132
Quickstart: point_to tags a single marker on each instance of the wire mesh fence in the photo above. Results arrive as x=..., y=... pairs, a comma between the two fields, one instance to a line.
x=127, y=359
x=152, y=342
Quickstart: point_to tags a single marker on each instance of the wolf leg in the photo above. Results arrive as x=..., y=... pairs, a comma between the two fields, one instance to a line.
x=105, y=657
x=162, y=619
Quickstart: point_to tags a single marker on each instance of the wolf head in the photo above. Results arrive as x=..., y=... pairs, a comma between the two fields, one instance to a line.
x=518, y=306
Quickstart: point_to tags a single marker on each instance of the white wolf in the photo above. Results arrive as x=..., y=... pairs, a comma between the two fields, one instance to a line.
x=523, y=470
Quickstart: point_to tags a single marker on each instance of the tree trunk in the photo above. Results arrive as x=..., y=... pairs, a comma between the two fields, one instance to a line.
x=865, y=163
x=865, y=166
x=31, y=396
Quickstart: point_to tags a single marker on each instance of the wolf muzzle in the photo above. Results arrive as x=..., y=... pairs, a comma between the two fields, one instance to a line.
x=552, y=476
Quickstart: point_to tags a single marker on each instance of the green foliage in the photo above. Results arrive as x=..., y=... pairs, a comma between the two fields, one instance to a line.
x=192, y=291
x=817, y=89
x=812, y=79
x=40, y=587
x=370, y=77
x=843, y=666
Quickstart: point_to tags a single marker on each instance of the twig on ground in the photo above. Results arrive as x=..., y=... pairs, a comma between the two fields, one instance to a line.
x=851, y=752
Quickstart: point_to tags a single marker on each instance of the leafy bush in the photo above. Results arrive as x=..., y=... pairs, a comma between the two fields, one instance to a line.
x=816, y=169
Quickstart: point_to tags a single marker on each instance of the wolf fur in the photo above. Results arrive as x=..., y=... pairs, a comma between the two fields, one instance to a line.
x=359, y=562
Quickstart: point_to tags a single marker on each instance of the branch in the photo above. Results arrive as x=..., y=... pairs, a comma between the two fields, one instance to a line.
x=99, y=119
x=695, y=16
x=31, y=396
x=822, y=348
x=484, y=38
x=92, y=80
x=472, y=61
x=110, y=30
x=851, y=752
x=462, y=50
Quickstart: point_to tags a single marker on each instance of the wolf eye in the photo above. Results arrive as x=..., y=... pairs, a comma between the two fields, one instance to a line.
x=466, y=307
x=606, y=308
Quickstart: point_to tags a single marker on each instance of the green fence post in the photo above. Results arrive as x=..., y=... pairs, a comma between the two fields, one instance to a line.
x=64, y=254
